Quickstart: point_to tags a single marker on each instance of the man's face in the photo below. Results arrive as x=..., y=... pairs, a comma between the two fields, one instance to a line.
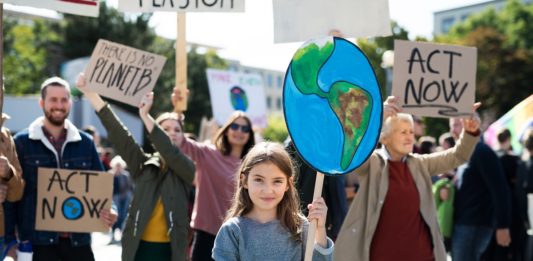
x=56, y=104
x=456, y=127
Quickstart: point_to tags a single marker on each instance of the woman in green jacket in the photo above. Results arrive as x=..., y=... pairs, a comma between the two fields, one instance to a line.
x=156, y=227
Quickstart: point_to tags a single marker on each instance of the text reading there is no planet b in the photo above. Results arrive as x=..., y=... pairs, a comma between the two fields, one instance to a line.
x=123, y=73
x=181, y=5
x=433, y=79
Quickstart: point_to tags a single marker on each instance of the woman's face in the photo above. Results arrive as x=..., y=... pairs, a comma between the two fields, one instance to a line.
x=400, y=140
x=173, y=129
x=238, y=132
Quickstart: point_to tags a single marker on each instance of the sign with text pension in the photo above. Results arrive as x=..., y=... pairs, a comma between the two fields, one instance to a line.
x=434, y=80
x=301, y=20
x=71, y=200
x=77, y=7
x=181, y=5
x=123, y=73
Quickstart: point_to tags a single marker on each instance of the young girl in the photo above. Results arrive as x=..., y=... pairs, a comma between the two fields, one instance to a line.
x=265, y=222
x=156, y=227
x=215, y=177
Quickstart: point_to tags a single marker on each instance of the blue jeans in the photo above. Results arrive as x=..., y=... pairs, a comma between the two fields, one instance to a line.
x=469, y=242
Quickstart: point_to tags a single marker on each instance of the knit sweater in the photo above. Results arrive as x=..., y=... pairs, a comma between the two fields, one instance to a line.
x=241, y=238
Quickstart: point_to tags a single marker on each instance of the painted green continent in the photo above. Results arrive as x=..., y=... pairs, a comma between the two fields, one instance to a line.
x=351, y=104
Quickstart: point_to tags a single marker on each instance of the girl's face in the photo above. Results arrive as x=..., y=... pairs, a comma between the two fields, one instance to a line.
x=266, y=186
x=239, y=132
x=173, y=130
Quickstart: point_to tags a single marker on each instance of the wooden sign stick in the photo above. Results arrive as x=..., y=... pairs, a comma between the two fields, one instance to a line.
x=181, y=64
x=310, y=244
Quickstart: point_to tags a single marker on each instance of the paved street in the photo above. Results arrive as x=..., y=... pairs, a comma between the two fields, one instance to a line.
x=103, y=250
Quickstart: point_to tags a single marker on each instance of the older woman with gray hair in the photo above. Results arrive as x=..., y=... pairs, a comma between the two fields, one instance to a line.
x=393, y=216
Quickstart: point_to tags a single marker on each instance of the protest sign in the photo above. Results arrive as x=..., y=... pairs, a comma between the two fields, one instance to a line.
x=71, y=200
x=231, y=91
x=433, y=79
x=181, y=5
x=77, y=7
x=301, y=20
x=122, y=73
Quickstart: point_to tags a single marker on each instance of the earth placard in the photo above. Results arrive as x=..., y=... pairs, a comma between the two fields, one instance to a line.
x=332, y=105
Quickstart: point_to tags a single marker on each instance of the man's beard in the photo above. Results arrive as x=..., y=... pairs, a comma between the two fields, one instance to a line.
x=55, y=121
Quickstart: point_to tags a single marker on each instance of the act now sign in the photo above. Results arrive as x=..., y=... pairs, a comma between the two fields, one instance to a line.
x=71, y=200
x=433, y=79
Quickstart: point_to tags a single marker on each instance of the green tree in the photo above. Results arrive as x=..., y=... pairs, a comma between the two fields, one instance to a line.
x=276, y=129
x=29, y=50
x=505, y=54
x=82, y=33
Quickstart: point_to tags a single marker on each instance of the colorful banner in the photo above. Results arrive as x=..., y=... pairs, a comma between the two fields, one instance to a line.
x=231, y=91
x=517, y=120
x=76, y=7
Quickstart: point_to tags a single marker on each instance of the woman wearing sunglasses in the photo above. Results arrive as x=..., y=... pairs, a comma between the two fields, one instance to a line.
x=215, y=177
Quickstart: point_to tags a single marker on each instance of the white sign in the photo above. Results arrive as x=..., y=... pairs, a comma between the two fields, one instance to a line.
x=123, y=73
x=301, y=20
x=434, y=79
x=231, y=91
x=181, y=5
x=77, y=7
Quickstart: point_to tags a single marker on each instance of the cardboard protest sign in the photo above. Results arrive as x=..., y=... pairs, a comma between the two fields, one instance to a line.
x=433, y=79
x=77, y=7
x=231, y=91
x=71, y=200
x=301, y=20
x=122, y=73
x=181, y=5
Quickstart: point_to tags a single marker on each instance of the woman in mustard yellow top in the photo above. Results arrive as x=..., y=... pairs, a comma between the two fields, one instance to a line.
x=156, y=227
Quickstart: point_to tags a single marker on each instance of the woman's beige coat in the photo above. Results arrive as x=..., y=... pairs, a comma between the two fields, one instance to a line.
x=357, y=231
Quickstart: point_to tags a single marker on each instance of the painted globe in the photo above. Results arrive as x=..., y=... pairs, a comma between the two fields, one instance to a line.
x=332, y=105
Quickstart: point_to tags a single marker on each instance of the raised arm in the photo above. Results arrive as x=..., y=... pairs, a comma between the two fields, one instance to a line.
x=180, y=164
x=444, y=161
x=118, y=134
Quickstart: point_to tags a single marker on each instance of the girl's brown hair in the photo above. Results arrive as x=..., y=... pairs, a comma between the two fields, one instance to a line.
x=288, y=210
x=221, y=138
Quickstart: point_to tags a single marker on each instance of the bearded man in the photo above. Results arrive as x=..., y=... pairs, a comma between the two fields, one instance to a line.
x=52, y=141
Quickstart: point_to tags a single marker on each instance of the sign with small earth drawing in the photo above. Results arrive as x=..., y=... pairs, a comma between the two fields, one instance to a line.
x=71, y=200
x=332, y=105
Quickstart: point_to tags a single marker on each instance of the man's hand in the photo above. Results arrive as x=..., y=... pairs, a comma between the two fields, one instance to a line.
x=503, y=237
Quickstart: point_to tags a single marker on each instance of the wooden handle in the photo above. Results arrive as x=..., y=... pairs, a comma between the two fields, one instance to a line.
x=181, y=63
x=310, y=244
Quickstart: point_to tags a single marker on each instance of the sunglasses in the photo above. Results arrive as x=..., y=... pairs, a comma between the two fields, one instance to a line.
x=244, y=128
